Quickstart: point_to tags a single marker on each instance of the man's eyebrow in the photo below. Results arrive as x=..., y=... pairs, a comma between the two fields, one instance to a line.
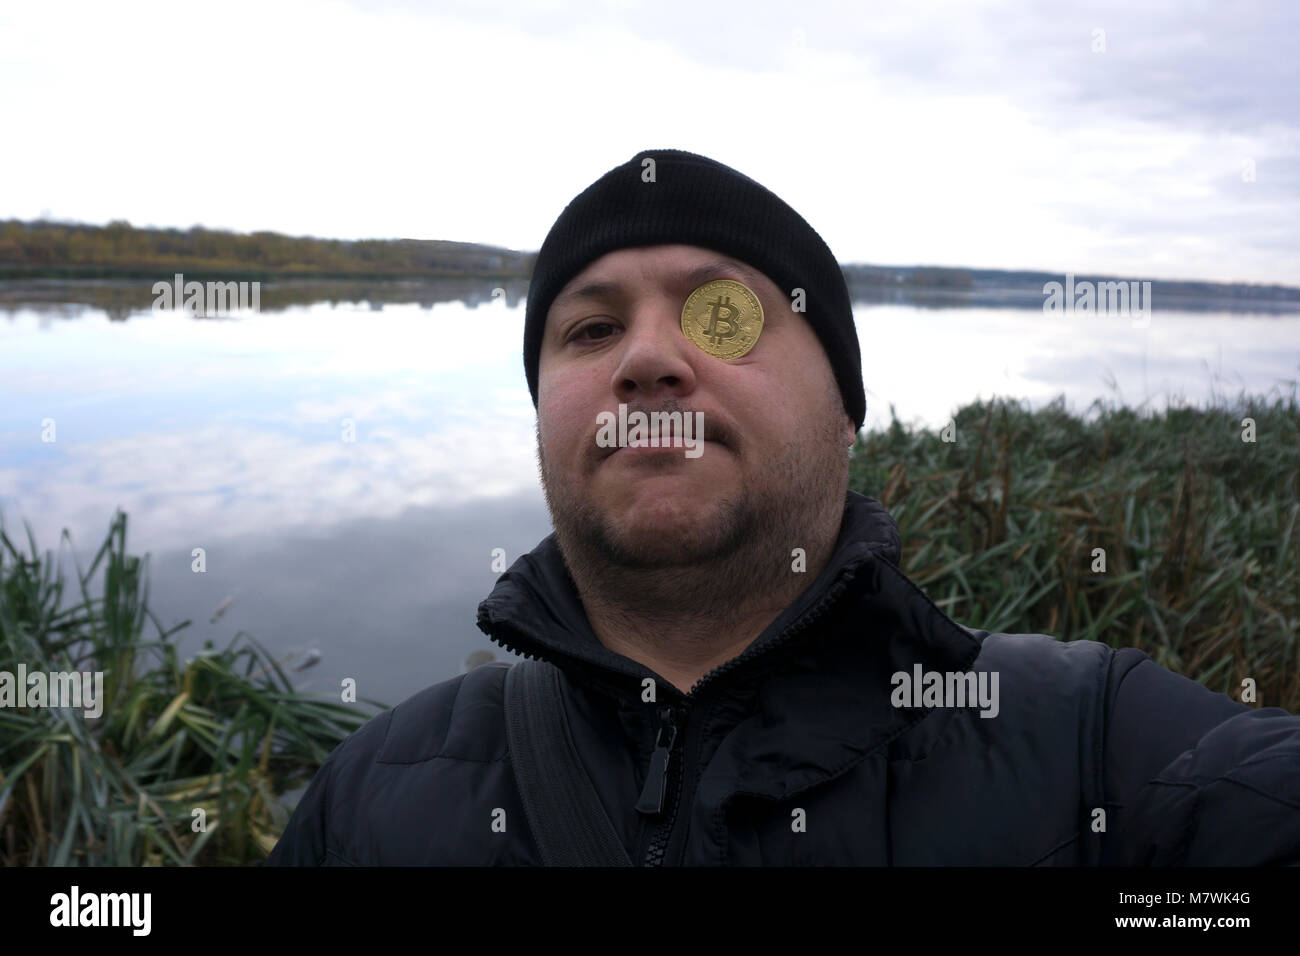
x=699, y=276
x=695, y=277
x=592, y=290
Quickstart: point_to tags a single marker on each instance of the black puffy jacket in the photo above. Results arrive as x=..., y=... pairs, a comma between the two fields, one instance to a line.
x=795, y=753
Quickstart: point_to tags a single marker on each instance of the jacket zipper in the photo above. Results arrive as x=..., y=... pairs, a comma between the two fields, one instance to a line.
x=656, y=780
x=660, y=772
x=655, y=790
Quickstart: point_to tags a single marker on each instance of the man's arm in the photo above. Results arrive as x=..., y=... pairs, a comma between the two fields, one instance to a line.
x=1194, y=778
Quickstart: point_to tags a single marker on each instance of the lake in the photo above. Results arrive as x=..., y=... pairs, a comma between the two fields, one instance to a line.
x=232, y=435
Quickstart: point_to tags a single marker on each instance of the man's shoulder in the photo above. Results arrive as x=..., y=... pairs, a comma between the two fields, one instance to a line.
x=1051, y=664
x=1044, y=659
x=1126, y=672
x=396, y=789
x=457, y=719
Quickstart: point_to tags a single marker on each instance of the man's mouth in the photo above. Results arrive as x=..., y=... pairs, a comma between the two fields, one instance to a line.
x=677, y=438
x=665, y=446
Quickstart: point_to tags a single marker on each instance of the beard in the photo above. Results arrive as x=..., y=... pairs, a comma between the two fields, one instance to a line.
x=708, y=558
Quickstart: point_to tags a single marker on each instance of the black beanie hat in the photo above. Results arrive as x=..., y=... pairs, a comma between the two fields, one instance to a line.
x=700, y=202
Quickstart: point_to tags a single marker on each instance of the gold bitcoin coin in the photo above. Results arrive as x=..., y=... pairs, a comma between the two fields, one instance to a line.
x=723, y=317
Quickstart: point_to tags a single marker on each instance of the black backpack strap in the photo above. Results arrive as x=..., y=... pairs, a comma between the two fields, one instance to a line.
x=563, y=810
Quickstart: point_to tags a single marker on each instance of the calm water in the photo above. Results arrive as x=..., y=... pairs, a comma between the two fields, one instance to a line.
x=229, y=435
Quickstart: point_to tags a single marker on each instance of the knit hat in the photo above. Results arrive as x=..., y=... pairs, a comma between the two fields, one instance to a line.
x=686, y=198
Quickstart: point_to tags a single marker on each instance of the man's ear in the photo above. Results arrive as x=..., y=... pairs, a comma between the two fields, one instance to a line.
x=850, y=433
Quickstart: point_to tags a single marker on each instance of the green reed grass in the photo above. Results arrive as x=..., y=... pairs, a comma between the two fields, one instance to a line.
x=224, y=732
x=1199, y=529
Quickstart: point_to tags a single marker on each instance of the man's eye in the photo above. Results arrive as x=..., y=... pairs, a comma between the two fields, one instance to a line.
x=582, y=333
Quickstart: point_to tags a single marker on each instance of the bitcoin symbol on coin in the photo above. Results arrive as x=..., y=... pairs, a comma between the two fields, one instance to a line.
x=723, y=317
x=716, y=309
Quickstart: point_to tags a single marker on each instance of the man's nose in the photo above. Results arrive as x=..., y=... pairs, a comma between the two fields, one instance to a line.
x=656, y=360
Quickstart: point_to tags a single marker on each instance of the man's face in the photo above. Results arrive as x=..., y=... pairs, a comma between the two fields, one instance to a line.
x=775, y=431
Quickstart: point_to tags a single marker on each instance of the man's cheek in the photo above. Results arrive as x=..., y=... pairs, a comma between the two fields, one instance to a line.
x=561, y=431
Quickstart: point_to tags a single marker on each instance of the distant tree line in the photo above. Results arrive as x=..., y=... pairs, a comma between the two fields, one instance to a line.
x=52, y=249
x=119, y=250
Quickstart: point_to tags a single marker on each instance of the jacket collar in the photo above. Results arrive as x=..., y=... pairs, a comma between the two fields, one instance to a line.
x=857, y=623
x=535, y=609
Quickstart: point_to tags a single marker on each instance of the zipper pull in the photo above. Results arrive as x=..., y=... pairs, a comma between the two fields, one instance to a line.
x=656, y=779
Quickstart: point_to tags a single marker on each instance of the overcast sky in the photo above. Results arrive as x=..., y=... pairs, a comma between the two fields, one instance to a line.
x=966, y=133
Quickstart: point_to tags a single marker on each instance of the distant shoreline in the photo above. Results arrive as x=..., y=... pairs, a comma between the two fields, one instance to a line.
x=123, y=296
x=42, y=250
x=149, y=273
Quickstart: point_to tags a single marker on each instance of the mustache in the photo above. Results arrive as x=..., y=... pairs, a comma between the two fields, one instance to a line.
x=716, y=429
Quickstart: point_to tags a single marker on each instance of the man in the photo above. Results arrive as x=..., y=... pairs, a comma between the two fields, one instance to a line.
x=748, y=678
